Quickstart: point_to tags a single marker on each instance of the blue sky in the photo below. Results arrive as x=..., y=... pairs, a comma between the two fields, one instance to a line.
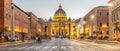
x=46, y=8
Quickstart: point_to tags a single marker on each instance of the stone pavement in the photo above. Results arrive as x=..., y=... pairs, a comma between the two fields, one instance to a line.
x=58, y=44
x=101, y=42
x=5, y=44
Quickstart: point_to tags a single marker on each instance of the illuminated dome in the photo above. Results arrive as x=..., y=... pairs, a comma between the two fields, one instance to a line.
x=60, y=14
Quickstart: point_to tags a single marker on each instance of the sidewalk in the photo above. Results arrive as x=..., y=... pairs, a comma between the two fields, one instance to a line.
x=103, y=42
x=5, y=44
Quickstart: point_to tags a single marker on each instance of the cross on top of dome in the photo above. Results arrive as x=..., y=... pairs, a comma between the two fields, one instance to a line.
x=60, y=7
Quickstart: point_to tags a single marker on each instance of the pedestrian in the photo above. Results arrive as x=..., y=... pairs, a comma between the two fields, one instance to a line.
x=16, y=37
x=6, y=38
x=23, y=36
x=39, y=39
x=45, y=35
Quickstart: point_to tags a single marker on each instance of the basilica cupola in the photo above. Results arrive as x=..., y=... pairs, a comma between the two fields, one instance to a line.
x=60, y=14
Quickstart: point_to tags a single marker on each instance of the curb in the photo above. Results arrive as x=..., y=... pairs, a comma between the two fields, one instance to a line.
x=13, y=43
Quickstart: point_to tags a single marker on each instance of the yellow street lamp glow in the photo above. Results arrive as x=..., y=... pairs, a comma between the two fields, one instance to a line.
x=79, y=25
x=110, y=4
x=92, y=16
x=84, y=22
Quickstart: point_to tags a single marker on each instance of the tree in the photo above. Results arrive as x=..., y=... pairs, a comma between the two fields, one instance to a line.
x=2, y=30
x=97, y=32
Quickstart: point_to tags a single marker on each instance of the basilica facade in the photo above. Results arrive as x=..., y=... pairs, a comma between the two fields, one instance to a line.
x=60, y=25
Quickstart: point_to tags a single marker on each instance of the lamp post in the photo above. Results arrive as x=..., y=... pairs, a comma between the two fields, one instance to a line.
x=79, y=29
x=29, y=28
x=12, y=22
x=92, y=17
x=111, y=5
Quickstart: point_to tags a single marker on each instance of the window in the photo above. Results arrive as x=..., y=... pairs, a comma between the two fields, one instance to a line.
x=107, y=13
x=114, y=17
x=73, y=26
x=6, y=14
x=107, y=24
x=117, y=16
x=45, y=28
x=100, y=24
x=100, y=14
x=107, y=32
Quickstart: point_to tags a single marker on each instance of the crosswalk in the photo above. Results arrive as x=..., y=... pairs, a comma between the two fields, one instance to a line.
x=41, y=47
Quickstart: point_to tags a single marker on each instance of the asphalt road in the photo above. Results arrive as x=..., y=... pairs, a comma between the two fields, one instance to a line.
x=57, y=44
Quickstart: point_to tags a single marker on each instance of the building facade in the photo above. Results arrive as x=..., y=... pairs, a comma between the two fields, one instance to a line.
x=114, y=7
x=15, y=19
x=97, y=20
x=81, y=26
x=20, y=20
x=5, y=13
x=60, y=25
x=33, y=23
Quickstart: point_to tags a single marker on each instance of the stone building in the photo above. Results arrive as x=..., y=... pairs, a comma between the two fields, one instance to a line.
x=60, y=25
x=114, y=7
x=97, y=20
x=33, y=23
x=8, y=10
x=20, y=17
x=5, y=13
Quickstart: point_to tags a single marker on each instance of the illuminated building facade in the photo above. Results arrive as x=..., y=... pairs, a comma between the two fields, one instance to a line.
x=114, y=7
x=97, y=20
x=9, y=10
x=33, y=23
x=60, y=25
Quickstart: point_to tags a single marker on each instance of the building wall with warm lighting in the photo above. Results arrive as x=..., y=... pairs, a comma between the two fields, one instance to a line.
x=5, y=13
x=40, y=26
x=81, y=26
x=20, y=20
x=33, y=23
x=60, y=25
x=20, y=17
x=114, y=7
x=97, y=20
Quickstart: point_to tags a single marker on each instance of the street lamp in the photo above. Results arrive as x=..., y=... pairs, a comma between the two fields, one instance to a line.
x=92, y=17
x=79, y=29
x=29, y=28
x=12, y=22
x=109, y=4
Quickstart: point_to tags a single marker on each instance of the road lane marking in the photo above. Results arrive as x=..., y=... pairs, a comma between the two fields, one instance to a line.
x=63, y=47
x=22, y=47
x=13, y=48
x=46, y=47
x=30, y=47
x=54, y=47
x=71, y=47
x=38, y=47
